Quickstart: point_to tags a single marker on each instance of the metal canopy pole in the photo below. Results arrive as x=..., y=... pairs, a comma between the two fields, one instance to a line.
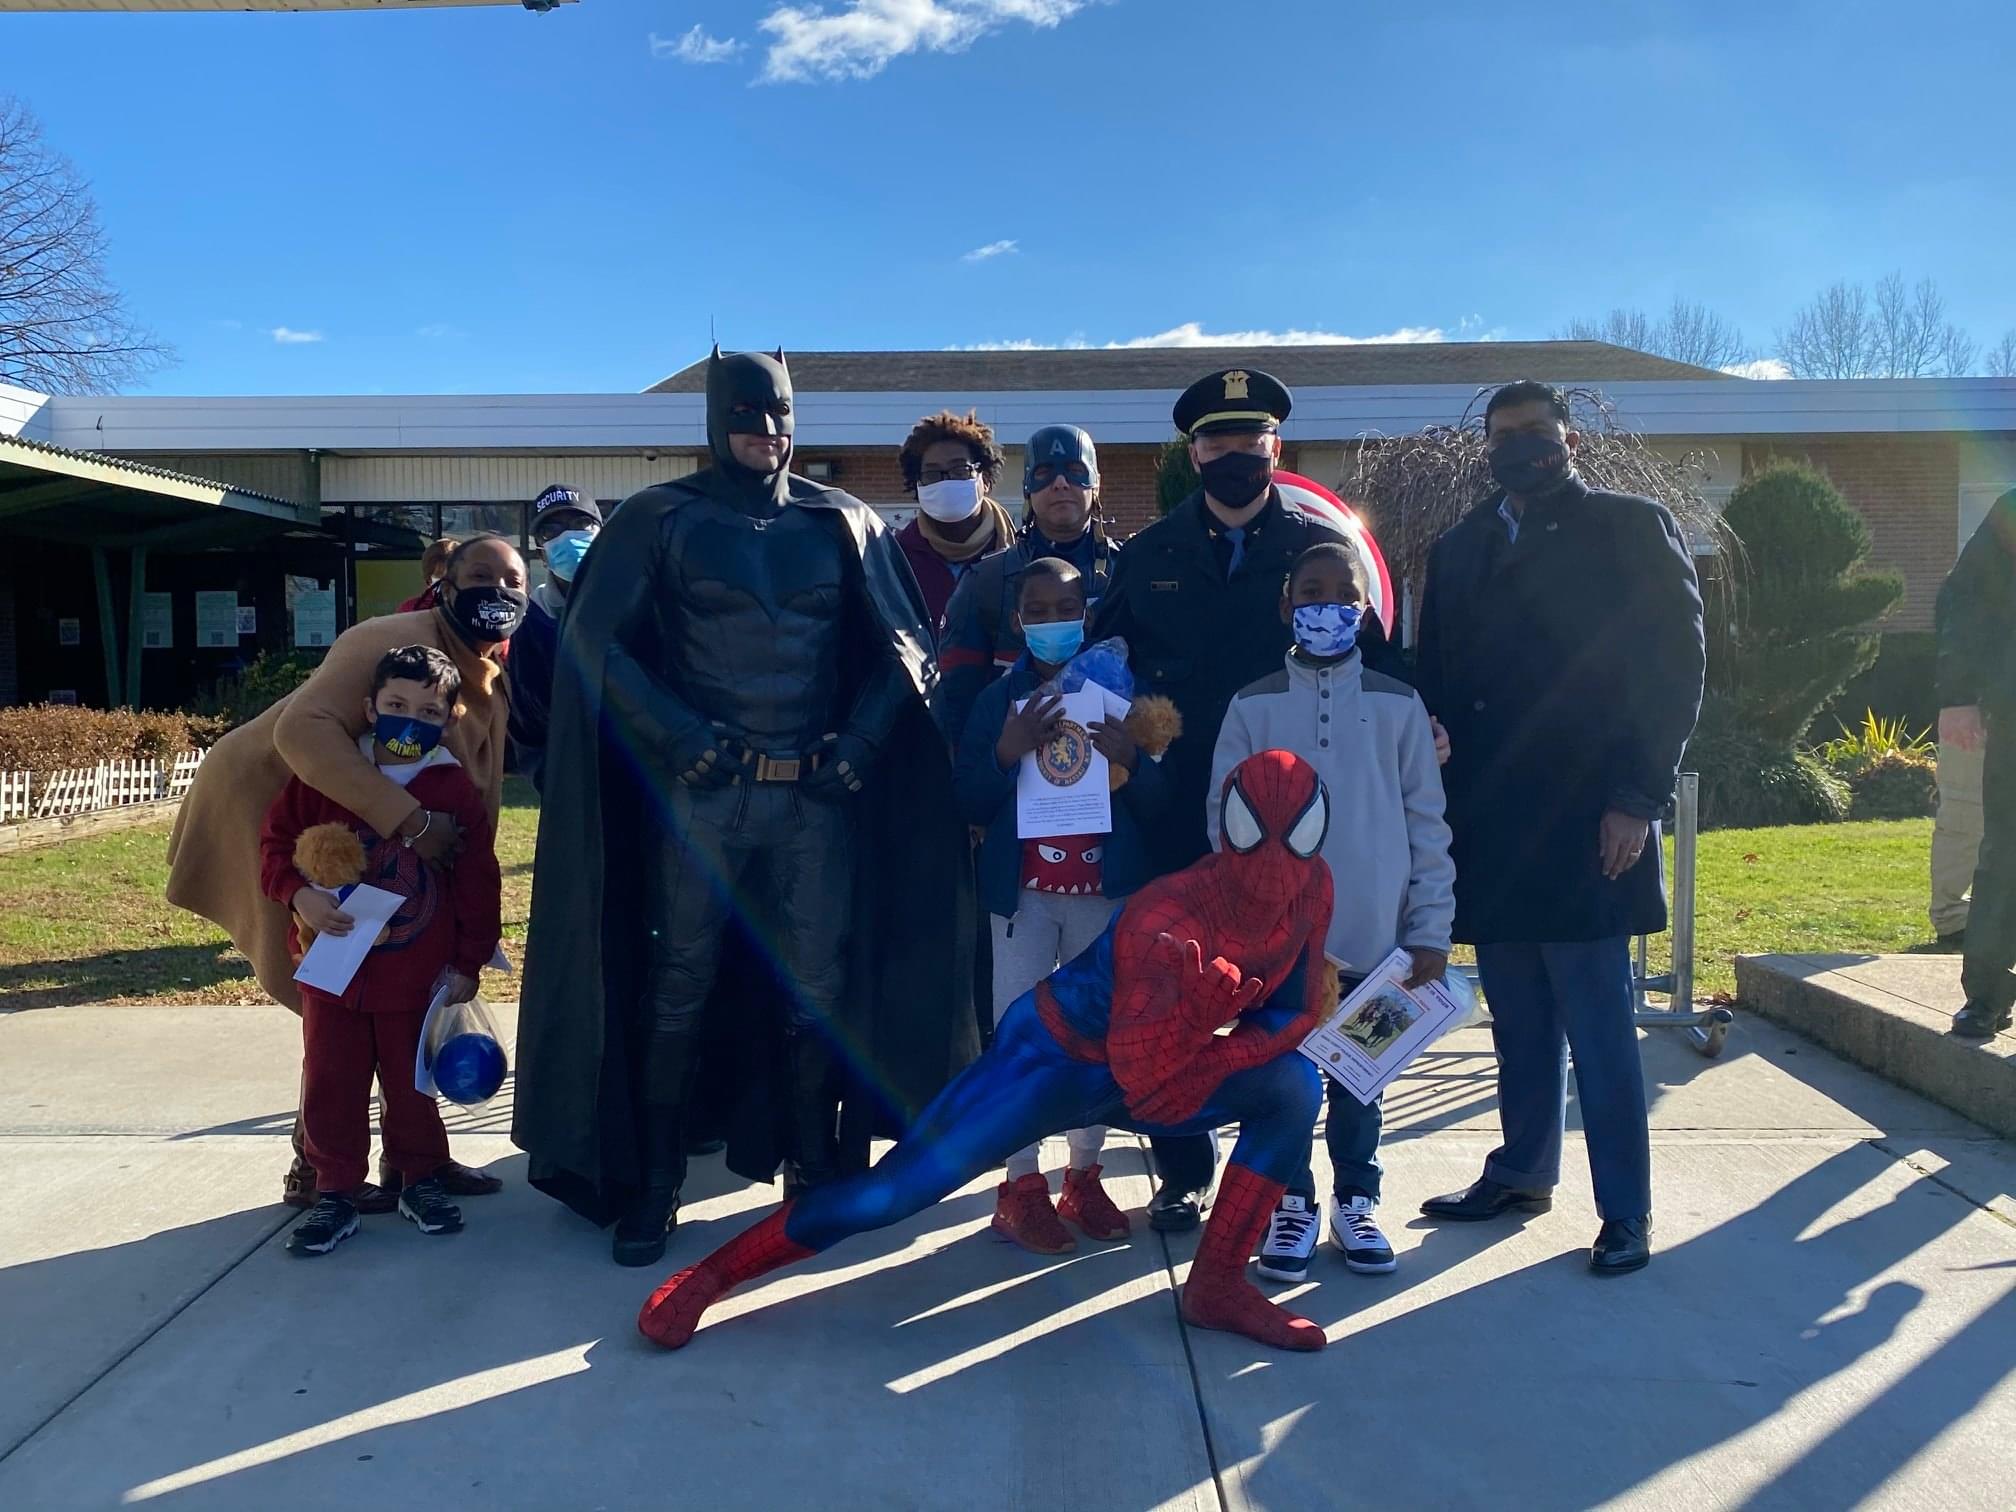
x=1707, y=1027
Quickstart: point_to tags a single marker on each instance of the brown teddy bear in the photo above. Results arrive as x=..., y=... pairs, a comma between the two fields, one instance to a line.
x=1154, y=722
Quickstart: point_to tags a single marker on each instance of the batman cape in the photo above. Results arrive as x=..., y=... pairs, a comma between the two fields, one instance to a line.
x=905, y=1023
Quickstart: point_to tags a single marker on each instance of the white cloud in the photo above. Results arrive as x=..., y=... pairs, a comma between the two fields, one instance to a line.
x=696, y=46
x=810, y=42
x=1762, y=367
x=992, y=249
x=440, y=330
x=1192, y=334
x=288, y=336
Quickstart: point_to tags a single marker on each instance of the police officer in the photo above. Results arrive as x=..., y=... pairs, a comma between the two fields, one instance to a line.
x=1198, y=597
x=1060, y=492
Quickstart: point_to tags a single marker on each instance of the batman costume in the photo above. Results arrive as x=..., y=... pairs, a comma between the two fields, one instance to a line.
x=740, y=748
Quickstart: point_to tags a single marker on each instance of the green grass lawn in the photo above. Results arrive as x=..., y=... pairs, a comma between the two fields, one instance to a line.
x=84, y=922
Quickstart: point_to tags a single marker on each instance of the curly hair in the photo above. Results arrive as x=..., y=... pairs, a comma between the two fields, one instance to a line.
x=946, y=426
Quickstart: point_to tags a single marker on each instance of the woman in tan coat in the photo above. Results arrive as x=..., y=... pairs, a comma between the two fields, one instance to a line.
x=313, y=733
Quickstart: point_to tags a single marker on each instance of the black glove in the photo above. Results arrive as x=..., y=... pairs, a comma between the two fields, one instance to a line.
x=713, y=758
x=843, y=768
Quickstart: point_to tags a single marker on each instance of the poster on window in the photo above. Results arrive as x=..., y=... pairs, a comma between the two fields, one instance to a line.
x=313, y=606
x=217, y=621
x=69, y=632
x=157, y=621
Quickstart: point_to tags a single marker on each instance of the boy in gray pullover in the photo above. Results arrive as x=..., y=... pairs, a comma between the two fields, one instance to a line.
x=1370, y=739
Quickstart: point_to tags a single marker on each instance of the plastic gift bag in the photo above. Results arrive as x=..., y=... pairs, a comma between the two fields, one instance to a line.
x=1103, y=662
x=460, y=1056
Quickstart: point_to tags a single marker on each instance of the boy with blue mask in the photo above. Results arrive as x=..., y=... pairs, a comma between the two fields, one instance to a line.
x=565, y=522
x=1370, y=740
x=443, y=933
x=1049, y=899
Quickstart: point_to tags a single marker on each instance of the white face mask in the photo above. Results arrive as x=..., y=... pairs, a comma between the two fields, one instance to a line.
x=951, y=501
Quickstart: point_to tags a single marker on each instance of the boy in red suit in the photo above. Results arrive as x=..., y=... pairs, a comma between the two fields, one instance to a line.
x=447, y=929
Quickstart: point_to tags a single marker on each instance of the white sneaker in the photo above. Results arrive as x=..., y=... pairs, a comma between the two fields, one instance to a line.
x=1354, y=1231
x=1291, y=1240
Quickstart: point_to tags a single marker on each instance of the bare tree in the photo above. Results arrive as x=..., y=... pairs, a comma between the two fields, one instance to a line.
x=1625, y=328
x=1688, y=332
x=2002, y=356
x=63, y=328
x=1901, y=333
x=1831, y=337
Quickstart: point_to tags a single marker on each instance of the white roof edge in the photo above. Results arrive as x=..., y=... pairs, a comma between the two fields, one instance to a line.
x=23, y=412
x=489, y=422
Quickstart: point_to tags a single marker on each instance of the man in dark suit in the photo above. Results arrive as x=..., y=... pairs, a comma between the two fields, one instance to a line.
x=1561, y=645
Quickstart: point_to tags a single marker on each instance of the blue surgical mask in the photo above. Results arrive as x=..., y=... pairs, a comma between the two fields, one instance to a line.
x=1056, y=643
x=406, y=738
x=1327, y=631
x=565, y=551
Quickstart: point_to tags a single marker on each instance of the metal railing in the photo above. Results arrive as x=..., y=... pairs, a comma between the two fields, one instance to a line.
x=1707, y=1028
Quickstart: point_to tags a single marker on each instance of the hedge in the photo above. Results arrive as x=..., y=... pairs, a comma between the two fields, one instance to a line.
x=46, y=738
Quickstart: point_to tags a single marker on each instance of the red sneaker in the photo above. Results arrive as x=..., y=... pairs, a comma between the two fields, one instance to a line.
x=1023, y=1215
x=1086, y=1204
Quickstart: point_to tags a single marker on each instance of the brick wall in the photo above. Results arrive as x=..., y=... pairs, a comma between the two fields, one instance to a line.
x=1908, y=490
x=1126, y=480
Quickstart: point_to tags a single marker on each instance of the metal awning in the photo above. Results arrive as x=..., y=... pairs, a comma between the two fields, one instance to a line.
x=102, y=504
x=85, y=499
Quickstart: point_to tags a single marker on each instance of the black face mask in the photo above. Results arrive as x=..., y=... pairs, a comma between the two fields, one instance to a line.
x=748, y=394
x=1530, y=464
x=486, y=615
x=1237, y=478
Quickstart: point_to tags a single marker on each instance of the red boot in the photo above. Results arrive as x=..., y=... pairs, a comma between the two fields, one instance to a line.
x=1218, y=1295
x=1023, y=1215
x=674, y=1310
x=1086, y=1204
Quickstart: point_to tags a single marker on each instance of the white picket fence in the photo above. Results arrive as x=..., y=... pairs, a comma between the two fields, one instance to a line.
x=86, y=790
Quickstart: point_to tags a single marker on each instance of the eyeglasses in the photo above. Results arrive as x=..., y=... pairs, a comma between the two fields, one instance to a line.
x=1077, y=474
x=941, y=474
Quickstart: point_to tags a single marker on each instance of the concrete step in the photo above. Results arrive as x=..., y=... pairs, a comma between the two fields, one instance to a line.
x=1893, y=1014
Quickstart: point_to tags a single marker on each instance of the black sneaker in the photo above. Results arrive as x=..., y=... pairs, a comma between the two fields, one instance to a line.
x=332, y=1220
x=428, y=1206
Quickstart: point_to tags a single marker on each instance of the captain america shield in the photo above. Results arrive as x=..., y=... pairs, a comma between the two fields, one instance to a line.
x=1313, y=498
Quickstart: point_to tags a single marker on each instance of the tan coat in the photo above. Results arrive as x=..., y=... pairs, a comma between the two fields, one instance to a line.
x=213, y=854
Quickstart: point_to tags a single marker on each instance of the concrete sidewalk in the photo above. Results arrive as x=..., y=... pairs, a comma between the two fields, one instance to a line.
x=1831, y=1322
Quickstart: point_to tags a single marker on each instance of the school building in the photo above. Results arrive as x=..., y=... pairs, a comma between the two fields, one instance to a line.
x=150, y=544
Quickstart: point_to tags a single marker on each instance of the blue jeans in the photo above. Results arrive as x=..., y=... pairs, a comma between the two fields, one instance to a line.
x=1546, y=1000
x=1351, y=1130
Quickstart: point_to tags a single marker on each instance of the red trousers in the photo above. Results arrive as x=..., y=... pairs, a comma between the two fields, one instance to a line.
x=341, y=1049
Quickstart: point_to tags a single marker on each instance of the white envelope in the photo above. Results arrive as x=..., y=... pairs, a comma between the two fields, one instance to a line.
x=330, y=964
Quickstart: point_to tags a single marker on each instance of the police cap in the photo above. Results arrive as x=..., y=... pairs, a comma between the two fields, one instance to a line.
x=1236, y=399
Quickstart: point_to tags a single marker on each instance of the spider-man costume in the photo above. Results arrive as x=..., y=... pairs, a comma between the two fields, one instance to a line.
x=1125, y=1035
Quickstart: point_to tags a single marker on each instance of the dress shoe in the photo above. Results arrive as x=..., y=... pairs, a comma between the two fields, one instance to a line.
x=1623, y=1244
x=1176, y=1210
x=1486, y=1198
x=456, y=1179
x=1978, y=1021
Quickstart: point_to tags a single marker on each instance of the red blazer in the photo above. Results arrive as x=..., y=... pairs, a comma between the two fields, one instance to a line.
x=451, y=918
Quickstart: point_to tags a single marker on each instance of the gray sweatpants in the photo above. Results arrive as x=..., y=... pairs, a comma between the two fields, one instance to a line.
x=1050, y=929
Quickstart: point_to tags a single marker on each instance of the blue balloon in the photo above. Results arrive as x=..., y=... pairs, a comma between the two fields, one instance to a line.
x=469, y=1068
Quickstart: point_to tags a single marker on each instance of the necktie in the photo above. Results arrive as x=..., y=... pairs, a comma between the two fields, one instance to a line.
x=1236, y=536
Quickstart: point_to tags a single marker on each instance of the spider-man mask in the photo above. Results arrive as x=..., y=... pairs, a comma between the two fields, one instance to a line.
x=1273, y=814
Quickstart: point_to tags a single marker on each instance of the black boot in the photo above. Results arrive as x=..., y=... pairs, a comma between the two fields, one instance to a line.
x=641, y=1231
x=815, y=1146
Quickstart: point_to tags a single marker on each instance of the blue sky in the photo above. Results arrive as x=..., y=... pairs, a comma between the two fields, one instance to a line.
x=487, y=199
